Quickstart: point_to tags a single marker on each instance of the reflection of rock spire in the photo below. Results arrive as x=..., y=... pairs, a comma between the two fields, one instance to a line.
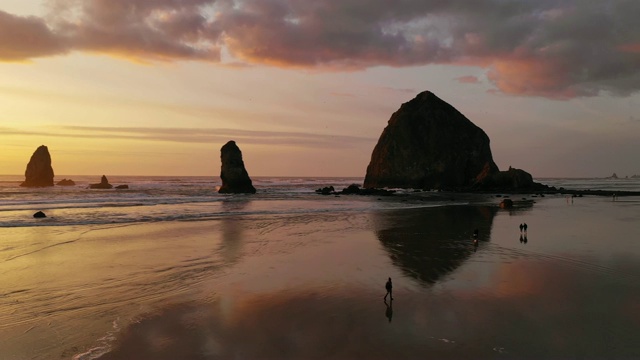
x=431, y=242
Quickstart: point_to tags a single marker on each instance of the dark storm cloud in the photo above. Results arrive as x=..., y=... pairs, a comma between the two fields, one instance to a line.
x=551, y=48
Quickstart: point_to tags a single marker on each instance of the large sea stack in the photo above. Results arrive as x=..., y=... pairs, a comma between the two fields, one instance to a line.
x=39, y=172
x=235, y=179
x=428, y=144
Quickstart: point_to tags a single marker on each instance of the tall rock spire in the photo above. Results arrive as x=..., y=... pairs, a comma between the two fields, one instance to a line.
x=235, y=178
x=39, y=172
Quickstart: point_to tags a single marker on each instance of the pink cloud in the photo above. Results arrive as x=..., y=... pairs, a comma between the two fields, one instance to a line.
x=22, y=38
x=469, y=79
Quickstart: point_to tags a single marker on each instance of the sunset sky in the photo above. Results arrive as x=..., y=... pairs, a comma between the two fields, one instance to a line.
x=305, y=87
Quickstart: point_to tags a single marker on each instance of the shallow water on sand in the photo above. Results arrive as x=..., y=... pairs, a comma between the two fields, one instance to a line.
x=311, y=285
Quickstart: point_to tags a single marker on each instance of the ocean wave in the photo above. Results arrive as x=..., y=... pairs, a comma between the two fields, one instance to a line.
x=194, y=198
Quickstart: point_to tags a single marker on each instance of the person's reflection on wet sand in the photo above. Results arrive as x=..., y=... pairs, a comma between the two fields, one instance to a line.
x=389, y=311
x=525, y=239
x=521, y=239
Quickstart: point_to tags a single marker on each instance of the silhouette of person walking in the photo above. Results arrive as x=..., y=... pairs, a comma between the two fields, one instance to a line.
x=521, y=227
x=389, y=287
x=524, y=226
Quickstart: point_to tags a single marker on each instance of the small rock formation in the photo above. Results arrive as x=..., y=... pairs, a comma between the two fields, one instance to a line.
x=614, y=176
x=512, y=179
x=428, y=144
x=104, y=184
x=121, y=187
x=235, y=179
x=66, y=182
x=39, y=215
x=327, y=190
x=354, y=189
x=506, y=204
x=39, y=172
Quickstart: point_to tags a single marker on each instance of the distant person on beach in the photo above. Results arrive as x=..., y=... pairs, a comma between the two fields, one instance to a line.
x=521, y=227
x=524, y=226
x=475, y=239
x=389, y=287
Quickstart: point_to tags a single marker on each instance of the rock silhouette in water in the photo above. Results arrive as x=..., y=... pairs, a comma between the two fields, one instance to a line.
x=104, y=184
x=39, y=215
x=39, y=172
x=428, y=144
x=235, y=179
x=66, y=182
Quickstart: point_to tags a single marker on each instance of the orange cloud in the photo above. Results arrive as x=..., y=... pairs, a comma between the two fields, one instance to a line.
x=630, y=48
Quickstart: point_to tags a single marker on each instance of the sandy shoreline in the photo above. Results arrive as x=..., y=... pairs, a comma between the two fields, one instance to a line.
x=311, y=286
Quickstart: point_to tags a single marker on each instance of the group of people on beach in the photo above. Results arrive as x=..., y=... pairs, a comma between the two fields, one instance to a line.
x=523, y=227
x=523, y=231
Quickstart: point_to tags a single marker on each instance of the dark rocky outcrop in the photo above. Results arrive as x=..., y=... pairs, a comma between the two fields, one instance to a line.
x=66, y=182
x=354, y=189
x=104, y=184
x=39, y=172
x=327, y=190
x=39, y=215
x=428, y=144
x=512, y=180
x=506, y=204
x=235, y=178
x=122, y=187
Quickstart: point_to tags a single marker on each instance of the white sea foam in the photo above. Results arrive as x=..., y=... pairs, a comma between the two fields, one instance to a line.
x=102, y=347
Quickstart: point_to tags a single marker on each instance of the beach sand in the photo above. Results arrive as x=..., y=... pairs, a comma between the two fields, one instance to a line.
x=311, y=286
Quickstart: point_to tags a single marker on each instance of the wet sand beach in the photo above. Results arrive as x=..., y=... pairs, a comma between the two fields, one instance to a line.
x=311, y=285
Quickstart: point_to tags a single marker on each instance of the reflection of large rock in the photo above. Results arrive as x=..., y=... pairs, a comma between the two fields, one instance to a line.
x=428, y=144
x=429, y=243
x=39, y=172
x=235, y=178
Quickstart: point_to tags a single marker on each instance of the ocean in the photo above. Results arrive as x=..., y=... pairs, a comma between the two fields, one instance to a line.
x=170, y=269
x=152, y=199
x=156, y=198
